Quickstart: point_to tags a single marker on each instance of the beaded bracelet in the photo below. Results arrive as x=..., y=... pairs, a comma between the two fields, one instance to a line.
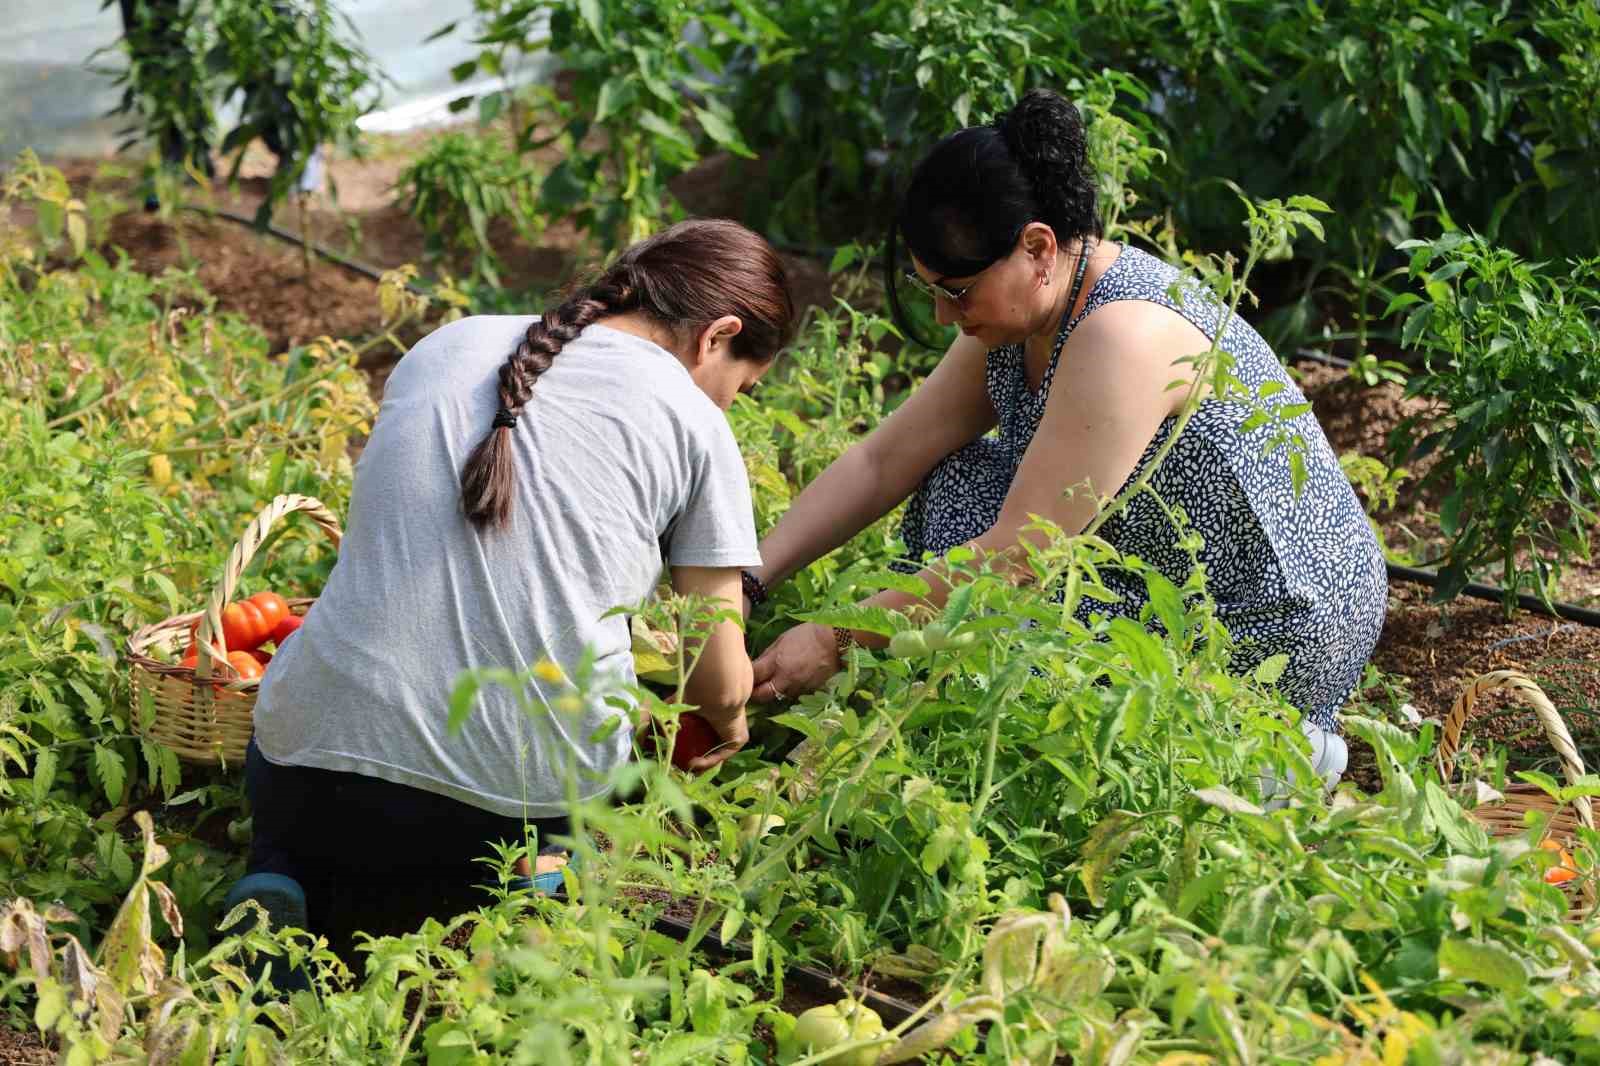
x=754, y=589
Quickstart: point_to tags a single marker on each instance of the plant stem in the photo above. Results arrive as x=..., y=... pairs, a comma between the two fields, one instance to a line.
x=103, y=398
x=305, y=239
x=989, y=747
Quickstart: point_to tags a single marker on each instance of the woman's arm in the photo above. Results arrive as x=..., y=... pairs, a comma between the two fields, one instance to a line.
x=949, y=410
x=1110, y=397
x=720, y=684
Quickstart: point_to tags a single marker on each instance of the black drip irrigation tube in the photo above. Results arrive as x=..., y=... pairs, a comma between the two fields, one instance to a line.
x=353, y=265
x=1397, y=572
x=1570, y=611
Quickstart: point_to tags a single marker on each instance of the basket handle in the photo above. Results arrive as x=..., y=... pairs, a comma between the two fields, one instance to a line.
x=249, y=541
x=1555, y=729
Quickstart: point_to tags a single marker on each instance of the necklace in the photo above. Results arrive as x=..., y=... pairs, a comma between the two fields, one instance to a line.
x=1084, y=252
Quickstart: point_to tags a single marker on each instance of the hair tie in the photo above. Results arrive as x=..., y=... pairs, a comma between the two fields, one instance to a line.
x=504, y=418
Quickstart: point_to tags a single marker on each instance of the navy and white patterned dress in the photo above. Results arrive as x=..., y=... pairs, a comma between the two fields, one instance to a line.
x=1298, y=575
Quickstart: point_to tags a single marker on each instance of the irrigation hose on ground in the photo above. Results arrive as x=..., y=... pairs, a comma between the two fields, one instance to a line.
x=1571, y=612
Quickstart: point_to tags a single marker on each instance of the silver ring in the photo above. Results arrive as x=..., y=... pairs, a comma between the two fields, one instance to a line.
x=775, y=693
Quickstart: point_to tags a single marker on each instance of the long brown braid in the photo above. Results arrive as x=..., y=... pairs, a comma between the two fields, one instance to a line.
x=688, y=275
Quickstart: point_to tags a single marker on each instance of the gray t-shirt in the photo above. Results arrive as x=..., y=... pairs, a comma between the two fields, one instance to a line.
x=622, y=464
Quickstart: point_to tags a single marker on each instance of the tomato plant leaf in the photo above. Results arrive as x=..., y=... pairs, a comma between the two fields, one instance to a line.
x=1201, y=889
x=113, y=774
x=1107, y=841
x=879, y=620
x=1459, y=831
x=1485, y=963
x=1270, y=669
x=1225, y=800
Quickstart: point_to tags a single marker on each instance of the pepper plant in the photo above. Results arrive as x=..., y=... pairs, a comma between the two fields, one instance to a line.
x=1509, y=357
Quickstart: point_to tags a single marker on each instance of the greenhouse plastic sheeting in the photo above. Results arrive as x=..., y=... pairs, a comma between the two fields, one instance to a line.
x=51, y=100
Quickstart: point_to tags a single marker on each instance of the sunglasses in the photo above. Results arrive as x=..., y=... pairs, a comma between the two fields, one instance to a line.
x=933, y=290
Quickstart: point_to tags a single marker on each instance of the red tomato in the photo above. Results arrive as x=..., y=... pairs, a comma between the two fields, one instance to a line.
x=695, y=738
x=274, y=609
x=191, y=656
x=245, y=665
x=289, y=624
x=1564, y=870
x=242, y=626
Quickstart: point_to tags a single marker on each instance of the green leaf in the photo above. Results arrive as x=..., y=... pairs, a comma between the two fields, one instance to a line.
x=1106, y=843
x=1270, y=669
x=1485, y=963
x=1167, y=602
x=590, y=11
x=44, y=771
x=958, y=605
x=612, y=95
x=946, y=838
x=659, y=126
x=113, y=774
x=1416, y=107
x=1458, y=829
x=1223, y=799
x=1201, y=889
x=878, y=580
x=723, y=132
x=168, y=590
x=462, y=699
x=845, y=256
x=1416, y=322
x=732, y=922
x=879, y=620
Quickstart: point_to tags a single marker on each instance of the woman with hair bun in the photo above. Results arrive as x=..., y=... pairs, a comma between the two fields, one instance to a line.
x=1068, y=346
x=524, y=476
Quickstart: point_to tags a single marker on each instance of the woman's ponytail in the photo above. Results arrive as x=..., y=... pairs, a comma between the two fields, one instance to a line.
x=488, y=481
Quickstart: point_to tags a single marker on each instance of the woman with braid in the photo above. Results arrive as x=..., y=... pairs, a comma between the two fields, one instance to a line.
x=524, y=476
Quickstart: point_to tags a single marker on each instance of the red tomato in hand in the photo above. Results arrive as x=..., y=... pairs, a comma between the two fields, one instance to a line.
x=281, y=633
x=274, y=609
x=695, y=738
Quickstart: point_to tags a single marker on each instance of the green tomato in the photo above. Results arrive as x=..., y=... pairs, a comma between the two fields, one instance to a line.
x=832, y=1024
x=939, y=638
x=908, y=644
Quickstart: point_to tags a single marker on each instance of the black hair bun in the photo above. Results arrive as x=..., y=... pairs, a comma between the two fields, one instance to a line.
x=1045, y=136
x=1044, y=133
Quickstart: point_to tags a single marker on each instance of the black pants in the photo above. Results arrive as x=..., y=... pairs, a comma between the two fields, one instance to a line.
x=373, y=855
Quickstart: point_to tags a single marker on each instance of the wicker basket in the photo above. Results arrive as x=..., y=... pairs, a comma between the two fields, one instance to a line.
x=205, y=720
x=1505, y=817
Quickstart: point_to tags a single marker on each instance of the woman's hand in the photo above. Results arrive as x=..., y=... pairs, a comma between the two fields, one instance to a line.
x=800, y=661
x=733, y=733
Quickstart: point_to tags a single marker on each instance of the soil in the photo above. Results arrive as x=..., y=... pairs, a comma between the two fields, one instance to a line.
x=18, y=1048
x=1427, y=651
